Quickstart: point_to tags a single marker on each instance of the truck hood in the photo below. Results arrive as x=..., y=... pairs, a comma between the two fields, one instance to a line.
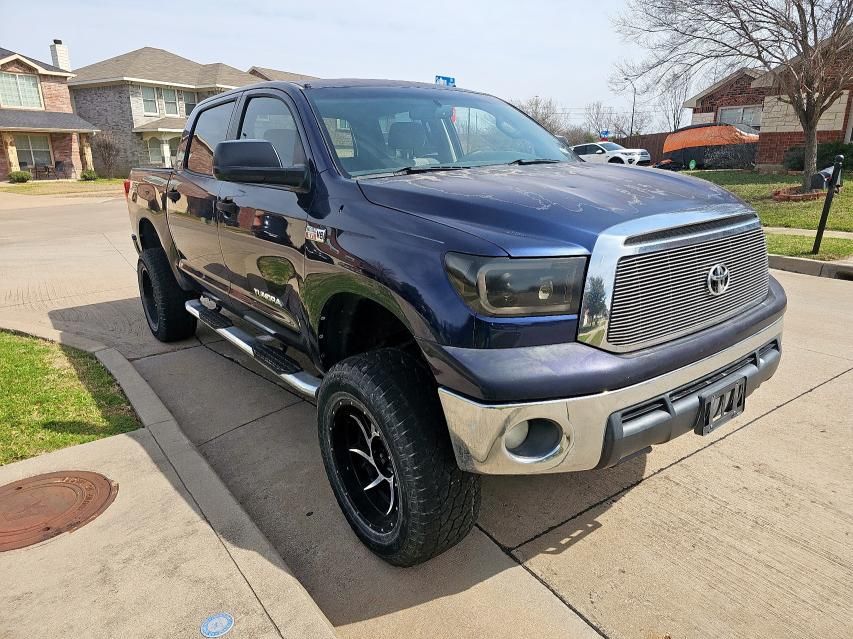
x=546, y=209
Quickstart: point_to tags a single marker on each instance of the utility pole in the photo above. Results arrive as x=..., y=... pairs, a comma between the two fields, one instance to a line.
x=633, y=107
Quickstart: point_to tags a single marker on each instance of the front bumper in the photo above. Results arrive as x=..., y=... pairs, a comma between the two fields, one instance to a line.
x=601, y=429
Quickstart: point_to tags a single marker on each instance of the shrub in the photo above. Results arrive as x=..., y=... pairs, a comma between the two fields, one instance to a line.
x=89, y=176
x=826, y=154
x=794, y=158
x=106, y=149
x=20, y=176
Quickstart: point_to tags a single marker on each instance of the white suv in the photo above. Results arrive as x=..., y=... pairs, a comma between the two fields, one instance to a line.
x=612, y=152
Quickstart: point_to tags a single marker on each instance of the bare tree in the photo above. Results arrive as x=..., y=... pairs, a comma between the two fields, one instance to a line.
x=805, y=45
x=598, y=117
x=545, y=111
x=106, y=149
x=577, y=134
x=671, y=100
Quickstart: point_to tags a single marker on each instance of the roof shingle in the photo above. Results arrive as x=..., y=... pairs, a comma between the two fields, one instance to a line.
x=158, y=65
x=18, y=119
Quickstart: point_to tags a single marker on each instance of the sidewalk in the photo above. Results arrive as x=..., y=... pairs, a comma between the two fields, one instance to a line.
x=781, y=230
x=174, y=547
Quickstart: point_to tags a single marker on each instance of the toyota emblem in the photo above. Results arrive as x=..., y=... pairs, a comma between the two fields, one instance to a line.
x=718, y=279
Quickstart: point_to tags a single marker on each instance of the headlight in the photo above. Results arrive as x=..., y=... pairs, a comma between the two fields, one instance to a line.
x=504, y=286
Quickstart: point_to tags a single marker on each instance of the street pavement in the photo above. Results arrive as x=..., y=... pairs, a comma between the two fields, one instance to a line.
x=745, y=533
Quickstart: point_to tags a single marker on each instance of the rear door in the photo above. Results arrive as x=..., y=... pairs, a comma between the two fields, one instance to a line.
x=192, y=195
x=263, y=226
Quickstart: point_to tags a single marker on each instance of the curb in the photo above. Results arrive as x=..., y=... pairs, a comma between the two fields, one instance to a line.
x=833, y=270
x=290, y=607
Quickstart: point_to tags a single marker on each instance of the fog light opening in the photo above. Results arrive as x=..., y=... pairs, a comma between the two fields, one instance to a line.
x=533, y=439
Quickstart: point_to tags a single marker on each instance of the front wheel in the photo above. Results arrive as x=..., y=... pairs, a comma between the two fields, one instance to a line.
x=616, y=161
x=389, y=459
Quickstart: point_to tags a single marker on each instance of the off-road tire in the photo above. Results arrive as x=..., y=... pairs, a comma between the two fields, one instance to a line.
x=162, y=298
x=438, y=503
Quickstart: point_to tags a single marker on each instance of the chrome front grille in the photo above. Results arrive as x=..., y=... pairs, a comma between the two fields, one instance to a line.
x=664, y=294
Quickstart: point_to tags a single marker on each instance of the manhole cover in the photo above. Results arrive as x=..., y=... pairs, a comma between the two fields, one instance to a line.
x=44, y=506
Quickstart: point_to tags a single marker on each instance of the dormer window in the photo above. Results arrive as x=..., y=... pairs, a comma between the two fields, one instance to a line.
x=20, y=91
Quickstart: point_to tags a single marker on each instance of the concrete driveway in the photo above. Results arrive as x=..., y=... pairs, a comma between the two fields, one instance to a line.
x=746, y=533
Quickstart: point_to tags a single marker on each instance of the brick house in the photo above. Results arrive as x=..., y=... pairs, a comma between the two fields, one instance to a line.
x=732, y=100
x=144, y=97
x=749, y=97
x=39, y=130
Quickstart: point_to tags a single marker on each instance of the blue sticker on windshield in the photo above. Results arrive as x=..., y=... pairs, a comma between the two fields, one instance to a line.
x=217, y=625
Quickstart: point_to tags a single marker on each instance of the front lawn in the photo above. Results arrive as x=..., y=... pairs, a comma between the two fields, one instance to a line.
x=63, y=187
x=831, y=248
x=52, y=396
x=757, y=188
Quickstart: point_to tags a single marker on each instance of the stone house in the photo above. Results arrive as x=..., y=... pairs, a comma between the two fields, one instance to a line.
x=749, y=97
x=143, y=99
x=39, y=130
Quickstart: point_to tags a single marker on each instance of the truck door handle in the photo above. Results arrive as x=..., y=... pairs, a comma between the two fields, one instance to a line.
x=227, y=207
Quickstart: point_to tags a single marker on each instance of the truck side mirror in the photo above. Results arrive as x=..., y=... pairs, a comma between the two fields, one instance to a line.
x=256, y=162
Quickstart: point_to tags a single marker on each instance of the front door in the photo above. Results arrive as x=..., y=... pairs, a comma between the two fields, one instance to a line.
x=263, y=226
x=191, y=205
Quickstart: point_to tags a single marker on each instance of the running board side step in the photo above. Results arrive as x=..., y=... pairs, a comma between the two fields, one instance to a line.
x=285, y=368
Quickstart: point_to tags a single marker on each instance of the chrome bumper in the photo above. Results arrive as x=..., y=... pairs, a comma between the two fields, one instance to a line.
x=477, y=430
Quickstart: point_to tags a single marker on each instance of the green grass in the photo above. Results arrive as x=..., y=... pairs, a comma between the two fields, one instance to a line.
x=52, y=396
x=61, y=187
x=831, y=248
x=757, y=189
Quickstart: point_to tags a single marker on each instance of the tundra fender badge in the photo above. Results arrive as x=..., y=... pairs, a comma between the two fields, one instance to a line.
x=268, y=297
x=315, y=233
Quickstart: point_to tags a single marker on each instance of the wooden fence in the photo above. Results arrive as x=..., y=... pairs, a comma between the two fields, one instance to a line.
x=652, y=142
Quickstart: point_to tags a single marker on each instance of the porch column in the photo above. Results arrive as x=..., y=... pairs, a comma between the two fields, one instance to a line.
x=8, y=143
x=166, y=152
x=86, y=151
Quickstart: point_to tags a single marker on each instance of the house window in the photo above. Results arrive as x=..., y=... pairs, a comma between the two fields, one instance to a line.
x=20, y=90
x=190, y=100
x=33, y=150
x=748, y=115
x=149, y=101
x=170, y=99
x=342, y=125
x=155, y=151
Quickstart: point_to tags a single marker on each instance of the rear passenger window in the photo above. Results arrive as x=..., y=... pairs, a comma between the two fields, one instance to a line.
x=211, y=128
x=269, y=119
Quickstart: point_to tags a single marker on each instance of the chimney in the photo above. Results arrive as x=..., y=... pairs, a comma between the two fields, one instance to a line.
x=59, y=55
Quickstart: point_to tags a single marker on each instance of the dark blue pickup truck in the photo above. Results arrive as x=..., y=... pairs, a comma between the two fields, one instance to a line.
x=457, y=291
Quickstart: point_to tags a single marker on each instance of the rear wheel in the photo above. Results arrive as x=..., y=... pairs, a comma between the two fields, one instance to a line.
x=389, y=459
x=162, y=298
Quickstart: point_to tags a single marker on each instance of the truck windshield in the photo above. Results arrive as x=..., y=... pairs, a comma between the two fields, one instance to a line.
x=381, y=130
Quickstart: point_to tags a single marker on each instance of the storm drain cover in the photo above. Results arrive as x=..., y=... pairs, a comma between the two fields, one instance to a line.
x=38, y=508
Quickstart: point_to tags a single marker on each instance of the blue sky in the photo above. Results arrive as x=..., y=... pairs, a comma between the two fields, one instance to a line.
x=514, y=49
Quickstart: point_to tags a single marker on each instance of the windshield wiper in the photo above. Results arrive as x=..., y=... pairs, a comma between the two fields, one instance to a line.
x=523, y=162
x=426, y=168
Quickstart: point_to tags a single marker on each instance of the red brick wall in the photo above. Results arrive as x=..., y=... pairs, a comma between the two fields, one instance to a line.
x=735, y=93
x=55, y=93
x=66, y=147
x=772, y=146
x=54, y=89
